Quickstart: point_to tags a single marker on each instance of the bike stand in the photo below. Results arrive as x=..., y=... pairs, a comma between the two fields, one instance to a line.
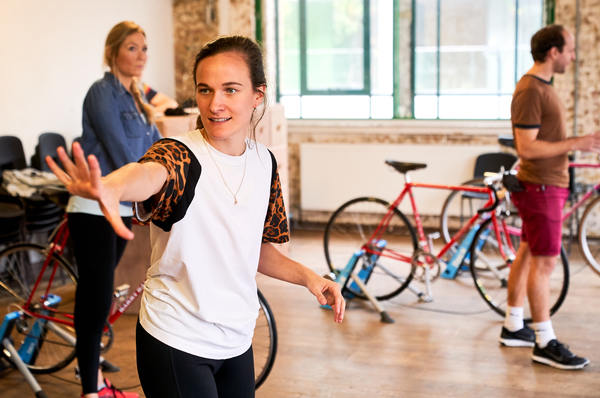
x=347, y=274
x=13, y=356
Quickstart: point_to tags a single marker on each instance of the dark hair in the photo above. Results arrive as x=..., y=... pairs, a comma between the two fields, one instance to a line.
x=546, y=38
x=251, y=53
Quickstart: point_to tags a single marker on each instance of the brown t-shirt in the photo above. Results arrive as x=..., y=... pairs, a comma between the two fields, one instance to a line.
x=535, y=105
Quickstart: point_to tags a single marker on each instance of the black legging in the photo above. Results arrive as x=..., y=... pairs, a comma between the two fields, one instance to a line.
x=97, y=251
x=166, y=372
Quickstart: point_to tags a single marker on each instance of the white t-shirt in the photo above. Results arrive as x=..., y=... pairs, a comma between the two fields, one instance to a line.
x=200, y=292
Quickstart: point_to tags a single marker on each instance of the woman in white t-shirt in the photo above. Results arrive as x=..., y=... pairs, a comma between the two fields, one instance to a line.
x=214, y=204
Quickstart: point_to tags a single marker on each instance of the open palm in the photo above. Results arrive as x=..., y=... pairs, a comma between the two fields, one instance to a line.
x=84, y=178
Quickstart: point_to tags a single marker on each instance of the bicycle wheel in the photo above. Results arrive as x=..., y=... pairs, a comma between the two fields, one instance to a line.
x=459, y=207
x=490, y=269
x=349, y=230
x=264, y=342
x=50, y=345
x=589, y=234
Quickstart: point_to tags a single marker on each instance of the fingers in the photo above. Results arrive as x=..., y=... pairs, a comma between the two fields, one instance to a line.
x=94, y=172
x=335, y=300
x=339, y=307
x=58, y=172
x=81, y=165
x=67, y=164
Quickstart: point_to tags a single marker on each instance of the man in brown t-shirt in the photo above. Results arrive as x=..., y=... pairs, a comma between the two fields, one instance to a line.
x=538, y=121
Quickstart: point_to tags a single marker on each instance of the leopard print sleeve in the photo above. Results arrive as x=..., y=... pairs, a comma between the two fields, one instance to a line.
x=170, y=204
x=276, y=226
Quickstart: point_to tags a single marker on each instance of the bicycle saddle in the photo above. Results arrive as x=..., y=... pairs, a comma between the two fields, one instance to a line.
x=403, y=167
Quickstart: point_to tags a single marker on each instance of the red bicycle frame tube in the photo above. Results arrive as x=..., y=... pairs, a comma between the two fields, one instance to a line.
x=57, y=245
x=587, y=194
x=408, y=186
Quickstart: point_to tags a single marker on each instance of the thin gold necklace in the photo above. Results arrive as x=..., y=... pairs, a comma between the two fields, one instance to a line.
x=235, y=199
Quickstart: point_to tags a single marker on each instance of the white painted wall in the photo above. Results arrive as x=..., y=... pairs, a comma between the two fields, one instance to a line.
x=51, y=52
x=332, y=174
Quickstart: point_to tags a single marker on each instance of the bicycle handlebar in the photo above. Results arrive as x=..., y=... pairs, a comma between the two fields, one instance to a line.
x=490, y=180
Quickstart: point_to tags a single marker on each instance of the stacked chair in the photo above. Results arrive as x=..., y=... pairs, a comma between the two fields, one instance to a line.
x=12, y=212
x=41, y=213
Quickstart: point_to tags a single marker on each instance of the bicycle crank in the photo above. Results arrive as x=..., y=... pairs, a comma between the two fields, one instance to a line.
x=427, y=267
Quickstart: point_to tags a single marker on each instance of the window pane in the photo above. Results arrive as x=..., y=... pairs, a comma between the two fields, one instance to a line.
x=382, y=107
x=425, y=47
x=426, y=107
x=474, y=106
x=530, y=20
x=475, y=55
x=289, y=47
x=291, y=106
x=382, y=47
x=335, y=107
x=476, y=61
x=334, y=45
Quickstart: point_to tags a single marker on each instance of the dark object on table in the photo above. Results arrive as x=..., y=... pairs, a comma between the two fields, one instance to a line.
x=175, y=112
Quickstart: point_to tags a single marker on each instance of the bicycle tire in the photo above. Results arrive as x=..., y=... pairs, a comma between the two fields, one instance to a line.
x=264, y=342
x=589, y=234
x=349, y=229
x=55, y=348
x=490, y=271
x=449, y=208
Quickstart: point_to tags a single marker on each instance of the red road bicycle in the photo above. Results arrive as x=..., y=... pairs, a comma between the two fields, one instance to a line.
x=377, y=239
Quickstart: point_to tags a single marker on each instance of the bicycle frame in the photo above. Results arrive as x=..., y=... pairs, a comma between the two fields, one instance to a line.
x=423, y=241
x=587, y=195
x=57, y=244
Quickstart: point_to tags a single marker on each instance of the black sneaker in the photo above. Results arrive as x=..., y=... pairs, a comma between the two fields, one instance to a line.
x=524, y=337
x=557, y=355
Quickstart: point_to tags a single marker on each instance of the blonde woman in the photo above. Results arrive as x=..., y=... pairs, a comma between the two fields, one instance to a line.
x=118, y=128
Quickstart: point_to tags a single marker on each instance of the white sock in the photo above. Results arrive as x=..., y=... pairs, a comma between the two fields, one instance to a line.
x=513, y=320
x=543, y=333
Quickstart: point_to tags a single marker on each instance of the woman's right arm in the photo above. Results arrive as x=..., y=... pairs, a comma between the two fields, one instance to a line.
x=134, y=182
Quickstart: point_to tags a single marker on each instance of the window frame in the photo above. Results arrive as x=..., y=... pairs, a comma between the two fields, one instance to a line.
x=548, y=10
x=366, y=90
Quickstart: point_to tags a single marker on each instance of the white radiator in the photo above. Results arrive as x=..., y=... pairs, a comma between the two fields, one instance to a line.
x=331, y=174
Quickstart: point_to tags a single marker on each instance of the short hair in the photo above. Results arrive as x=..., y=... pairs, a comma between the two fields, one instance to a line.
x=546, y=38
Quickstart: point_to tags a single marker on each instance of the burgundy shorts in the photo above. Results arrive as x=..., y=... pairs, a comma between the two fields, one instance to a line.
x=540, y=208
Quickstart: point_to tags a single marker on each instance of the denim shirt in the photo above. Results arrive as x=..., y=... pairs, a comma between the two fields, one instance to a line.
x=113, y=129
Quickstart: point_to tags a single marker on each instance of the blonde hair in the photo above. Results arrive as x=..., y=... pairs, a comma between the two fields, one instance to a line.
x=114, y=40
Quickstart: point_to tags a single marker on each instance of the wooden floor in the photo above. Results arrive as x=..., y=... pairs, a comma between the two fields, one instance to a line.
x=447, y=348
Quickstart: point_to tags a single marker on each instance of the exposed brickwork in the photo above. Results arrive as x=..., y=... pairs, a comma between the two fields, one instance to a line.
x=194, y=23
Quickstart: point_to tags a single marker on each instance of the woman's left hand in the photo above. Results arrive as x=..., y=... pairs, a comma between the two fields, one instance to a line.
x=328, y=292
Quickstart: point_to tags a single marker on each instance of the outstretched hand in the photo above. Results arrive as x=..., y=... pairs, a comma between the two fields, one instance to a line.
x=328, y=292
x=84, y=178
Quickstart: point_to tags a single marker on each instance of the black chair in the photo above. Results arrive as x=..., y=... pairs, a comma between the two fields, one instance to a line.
x=470, y=202
x=493, y=161
x=12, y=213
x=12, y=218
x=47, y=144
x=12, y=155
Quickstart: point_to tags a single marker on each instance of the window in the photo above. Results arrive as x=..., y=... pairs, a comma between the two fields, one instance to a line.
x=335, y=58
x=343, y=58
x=469, y=55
